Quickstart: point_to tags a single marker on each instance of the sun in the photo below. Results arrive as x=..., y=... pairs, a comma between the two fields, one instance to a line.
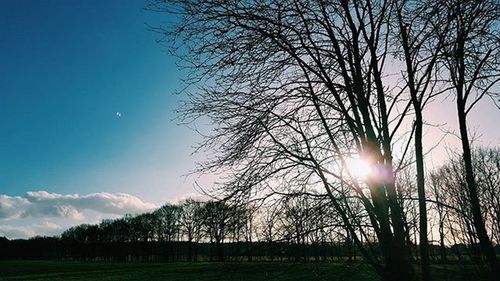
x=359, y=168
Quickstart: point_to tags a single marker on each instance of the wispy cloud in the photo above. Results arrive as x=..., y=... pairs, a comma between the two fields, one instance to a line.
x=43, y=204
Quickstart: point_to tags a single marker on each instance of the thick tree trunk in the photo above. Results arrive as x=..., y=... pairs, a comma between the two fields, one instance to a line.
x=398, y=265
x=392, y=242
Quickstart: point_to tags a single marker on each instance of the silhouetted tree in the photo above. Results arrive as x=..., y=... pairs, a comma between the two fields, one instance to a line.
x=295, y=88
x=191, y=222
x=472, y=58
x=420, y=50
x=217, y=216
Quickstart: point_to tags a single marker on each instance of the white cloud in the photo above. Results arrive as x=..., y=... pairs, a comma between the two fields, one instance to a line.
x=10, y=206
x=43, y=204
x=14, y=232
x=192, y=195
x=45, y=228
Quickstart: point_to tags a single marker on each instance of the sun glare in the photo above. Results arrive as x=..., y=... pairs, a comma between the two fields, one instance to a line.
x=359, y=168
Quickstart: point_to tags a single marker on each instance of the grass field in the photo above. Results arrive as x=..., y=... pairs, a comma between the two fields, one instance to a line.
x=53, y=270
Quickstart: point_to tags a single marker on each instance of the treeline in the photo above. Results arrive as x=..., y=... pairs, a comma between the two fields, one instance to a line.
x=54, y=248
x=298, y=227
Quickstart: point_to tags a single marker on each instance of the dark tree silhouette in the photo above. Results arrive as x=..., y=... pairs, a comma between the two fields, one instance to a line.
x=296, y=88
x=472, y=56
x=191, y=223
x=416, y=22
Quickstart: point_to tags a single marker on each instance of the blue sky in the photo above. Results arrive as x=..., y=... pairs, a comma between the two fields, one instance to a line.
x=66, y=69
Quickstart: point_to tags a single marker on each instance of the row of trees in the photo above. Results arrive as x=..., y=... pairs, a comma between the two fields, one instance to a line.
x=295, y=88
x=301, y=227
x=190, y=220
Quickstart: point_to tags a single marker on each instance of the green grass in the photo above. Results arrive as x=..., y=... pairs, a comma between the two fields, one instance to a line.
x=47, y=270
x=55, y=270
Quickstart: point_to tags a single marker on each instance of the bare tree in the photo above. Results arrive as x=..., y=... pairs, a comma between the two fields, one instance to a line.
x=437, y=194
x=191, y=223
x=452, y=199
x=269, y=226
x=472, y=57
x=296, y=87
x=169, y=216
x=296, y=217
x=217, y=216
x=487, y=171
x=420, y=49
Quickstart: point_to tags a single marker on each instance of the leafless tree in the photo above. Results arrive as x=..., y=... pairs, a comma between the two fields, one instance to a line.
x=269, y=226
x=416, y=24
x=191, y=224
x=486, y=163
x=472, y=57
x=293, y=89
x=437, y=195
x=452, y=199
x=298, y=87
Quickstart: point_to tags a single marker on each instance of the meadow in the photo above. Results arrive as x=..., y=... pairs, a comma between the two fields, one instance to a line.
x=107, y=271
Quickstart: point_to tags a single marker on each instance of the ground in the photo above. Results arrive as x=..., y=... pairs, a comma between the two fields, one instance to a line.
x=54, y=270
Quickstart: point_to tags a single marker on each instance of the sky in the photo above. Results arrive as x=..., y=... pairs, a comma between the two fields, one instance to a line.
x=88, y=127
x=87, y=111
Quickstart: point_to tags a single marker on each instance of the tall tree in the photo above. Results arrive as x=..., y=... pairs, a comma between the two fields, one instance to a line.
x=472, y=56
x=416, y=22
x=297, y=87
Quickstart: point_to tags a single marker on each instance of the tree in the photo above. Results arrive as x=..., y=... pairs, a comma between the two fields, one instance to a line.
x=472, y=57
x=217, y=216
x=295, y=88
x=437, y=196
x=269, y=226
x=191, y=223
x=452, y=198
x=296, y=217
x=168, y=216
x=486, y=163
x=416, y=22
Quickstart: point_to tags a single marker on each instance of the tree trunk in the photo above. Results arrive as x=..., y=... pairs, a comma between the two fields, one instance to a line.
x=441, y=237
x=484, y=240
x=220, y=251
x=424, y=243
x=398, y=265
x=419, y=156
x=190, y=249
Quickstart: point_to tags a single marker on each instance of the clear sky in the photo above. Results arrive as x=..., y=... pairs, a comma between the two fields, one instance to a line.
x=87, y=115
x=87, y=104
